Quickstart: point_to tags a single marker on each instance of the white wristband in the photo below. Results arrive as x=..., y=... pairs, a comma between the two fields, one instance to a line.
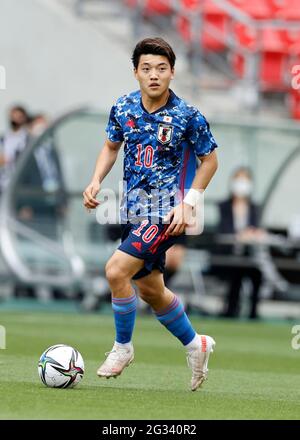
x=193, y=197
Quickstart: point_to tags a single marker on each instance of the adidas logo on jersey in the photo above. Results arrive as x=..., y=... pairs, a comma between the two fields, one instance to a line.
x=137, y=245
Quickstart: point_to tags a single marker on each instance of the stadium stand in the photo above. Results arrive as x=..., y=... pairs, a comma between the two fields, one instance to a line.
x=272, y=56
x=260, y=39
x=211, y=16
x=287, y=9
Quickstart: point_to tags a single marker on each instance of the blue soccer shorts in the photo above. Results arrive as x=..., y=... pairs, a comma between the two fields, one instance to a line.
x=149, y=243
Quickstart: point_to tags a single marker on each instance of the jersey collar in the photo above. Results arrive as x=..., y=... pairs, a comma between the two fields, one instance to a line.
x=169, y=104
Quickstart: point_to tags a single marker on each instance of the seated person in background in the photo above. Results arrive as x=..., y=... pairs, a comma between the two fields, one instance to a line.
x=12, y=143
x=44, y=210
x=239, y=216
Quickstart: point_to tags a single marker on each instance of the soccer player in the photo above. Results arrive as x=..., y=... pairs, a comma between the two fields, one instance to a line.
x=162, y=137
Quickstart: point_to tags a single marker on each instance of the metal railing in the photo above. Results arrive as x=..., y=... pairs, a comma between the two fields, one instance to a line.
x=10, y=227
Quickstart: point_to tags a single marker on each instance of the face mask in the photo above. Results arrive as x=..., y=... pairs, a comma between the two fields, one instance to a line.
x=241, y=187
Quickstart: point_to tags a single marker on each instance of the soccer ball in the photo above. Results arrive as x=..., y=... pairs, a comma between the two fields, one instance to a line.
x=61, y=366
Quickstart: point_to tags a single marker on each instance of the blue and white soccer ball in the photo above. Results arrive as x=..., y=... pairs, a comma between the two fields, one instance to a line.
x=61, y=366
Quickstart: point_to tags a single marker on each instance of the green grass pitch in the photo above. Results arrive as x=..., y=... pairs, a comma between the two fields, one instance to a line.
x=253, y=374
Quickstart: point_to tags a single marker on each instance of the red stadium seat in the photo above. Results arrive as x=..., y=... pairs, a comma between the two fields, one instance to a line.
x=268, y=39
x=210, y=7
x=273, y=40
x=183, y=26
x=245, y=36
x=183, y=23
x=153, y=7
x=272, y=71
x=258, y=9
x=292, y=37
x=274, y=59
x=190, y=4
x=213, y=16
x=158, y=7
x=276, y=6
x=271, y=48
x=288, y=10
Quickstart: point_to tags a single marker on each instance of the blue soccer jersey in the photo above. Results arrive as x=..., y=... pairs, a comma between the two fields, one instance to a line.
x=160, y=151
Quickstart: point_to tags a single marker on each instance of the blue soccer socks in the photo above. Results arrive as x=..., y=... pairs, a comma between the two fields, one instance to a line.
x=124, y=313
x=172, y=317
x=176, y=321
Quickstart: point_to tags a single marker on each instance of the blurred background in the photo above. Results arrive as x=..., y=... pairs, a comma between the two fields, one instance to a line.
x=63, y=65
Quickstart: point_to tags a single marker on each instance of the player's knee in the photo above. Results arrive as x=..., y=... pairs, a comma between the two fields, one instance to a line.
x=114, y=273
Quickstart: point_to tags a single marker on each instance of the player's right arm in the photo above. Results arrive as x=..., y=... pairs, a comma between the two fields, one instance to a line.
x=105, y=161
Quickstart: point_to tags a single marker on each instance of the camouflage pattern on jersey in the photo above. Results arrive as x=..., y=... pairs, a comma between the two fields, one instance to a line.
x=160, y=151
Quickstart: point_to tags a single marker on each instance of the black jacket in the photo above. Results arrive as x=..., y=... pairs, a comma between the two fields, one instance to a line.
x=226, y=224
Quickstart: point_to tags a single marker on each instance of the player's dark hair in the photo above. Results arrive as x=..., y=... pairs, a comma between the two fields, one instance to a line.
x=242, y=169
x=153, y=46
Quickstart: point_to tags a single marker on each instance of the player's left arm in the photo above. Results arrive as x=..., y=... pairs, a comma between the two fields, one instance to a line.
x=181, y=215
x=206, y=171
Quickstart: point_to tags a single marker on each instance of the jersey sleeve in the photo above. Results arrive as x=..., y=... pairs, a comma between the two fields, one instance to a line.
x=199, y=136
x=113, y=129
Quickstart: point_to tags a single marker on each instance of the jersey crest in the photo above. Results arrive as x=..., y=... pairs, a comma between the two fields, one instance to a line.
x=164, y=133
